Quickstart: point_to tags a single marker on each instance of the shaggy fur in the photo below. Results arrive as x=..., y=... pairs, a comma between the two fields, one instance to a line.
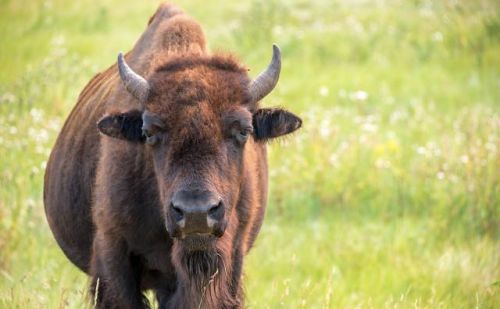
x=107, y=196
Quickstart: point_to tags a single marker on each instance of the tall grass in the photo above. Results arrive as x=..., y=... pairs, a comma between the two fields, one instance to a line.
x=388, y=197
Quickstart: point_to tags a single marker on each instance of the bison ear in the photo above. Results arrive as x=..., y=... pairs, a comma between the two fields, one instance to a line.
x=274, y=122
x=126, y=126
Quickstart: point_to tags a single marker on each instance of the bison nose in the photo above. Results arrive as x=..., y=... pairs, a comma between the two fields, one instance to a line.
x=199, y=212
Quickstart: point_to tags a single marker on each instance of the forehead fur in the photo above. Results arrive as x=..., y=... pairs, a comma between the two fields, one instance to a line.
x=218, y=62
x=218, y=81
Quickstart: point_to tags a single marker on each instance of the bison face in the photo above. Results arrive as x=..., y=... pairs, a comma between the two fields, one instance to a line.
x=200, y=125
x=198, y=153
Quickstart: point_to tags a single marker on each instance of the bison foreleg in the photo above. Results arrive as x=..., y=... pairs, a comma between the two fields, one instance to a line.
x=115, y=276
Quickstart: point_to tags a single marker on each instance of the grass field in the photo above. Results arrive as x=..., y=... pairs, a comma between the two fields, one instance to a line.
x=389, y=197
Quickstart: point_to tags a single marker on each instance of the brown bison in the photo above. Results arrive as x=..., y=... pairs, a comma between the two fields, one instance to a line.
x=171, y=194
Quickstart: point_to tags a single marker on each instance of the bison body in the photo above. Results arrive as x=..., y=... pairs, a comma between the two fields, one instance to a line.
x=158, y=179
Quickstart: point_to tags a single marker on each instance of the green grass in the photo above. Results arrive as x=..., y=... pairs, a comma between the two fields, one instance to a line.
x=389, y=197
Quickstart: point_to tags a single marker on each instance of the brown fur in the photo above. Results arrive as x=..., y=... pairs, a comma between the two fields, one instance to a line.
x=107, y=199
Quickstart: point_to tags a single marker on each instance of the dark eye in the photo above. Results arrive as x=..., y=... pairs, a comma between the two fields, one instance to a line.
x=152, y=140
x=152, y=127
x=151, y=137
x=242, y=134
x=147, y=133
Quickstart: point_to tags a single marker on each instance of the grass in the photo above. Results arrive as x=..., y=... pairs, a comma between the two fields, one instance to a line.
x=389, y=197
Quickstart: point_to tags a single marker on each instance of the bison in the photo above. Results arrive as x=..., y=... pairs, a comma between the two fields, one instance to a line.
x=158, y=179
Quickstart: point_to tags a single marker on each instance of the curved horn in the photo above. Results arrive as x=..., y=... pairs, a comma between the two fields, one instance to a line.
x=267, y=80
x=133, y=82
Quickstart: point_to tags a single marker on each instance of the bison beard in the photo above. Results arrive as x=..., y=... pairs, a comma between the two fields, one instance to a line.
x=203, y=278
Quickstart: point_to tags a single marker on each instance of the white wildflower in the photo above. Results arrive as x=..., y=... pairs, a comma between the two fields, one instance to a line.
x=369, y=127
x=437, y=36
x=359, y=95
x=36, y=114
x=382, y=163
x=324, y=91
x=464, y=159
x=278, y=30
x=334, y=160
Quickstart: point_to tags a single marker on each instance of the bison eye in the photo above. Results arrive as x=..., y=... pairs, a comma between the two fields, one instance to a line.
x=152, y=140
x=242, y=135
x=146, y=133
x=151, y=137
x=152, y=127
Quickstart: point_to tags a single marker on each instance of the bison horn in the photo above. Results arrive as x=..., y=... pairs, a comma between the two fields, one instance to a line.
x=133, y=82
x=267, y=80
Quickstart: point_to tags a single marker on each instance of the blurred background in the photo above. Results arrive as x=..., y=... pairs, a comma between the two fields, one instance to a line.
x=389, y=196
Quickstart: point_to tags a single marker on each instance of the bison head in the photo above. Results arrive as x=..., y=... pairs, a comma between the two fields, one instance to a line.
x=201, y=126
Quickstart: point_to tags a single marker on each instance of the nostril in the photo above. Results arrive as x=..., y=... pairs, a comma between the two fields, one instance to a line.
x=177, y=213
x=216, y=212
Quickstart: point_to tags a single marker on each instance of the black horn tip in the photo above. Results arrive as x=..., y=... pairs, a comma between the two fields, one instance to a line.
x=120, y=57
x=276, y=52
x=120, y=61
x=276, y=48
